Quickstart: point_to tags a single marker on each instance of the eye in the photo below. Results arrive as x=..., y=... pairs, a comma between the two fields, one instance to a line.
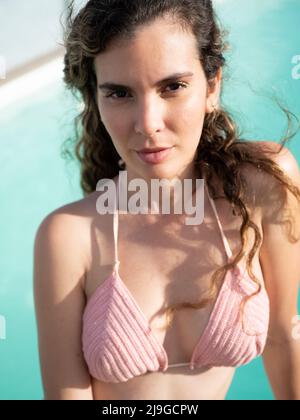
x=115, y=92
x=123, y=92
x=179, y=84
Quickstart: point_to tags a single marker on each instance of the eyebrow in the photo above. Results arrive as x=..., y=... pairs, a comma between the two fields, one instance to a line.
x=176, y=76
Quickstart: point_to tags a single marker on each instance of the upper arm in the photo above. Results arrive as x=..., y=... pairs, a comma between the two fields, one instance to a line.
x=280, y=250
x=59, y=304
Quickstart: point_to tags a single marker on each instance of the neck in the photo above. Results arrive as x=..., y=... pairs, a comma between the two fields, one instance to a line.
x=176, y=190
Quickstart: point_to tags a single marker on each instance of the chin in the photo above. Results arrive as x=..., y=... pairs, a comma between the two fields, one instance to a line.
x=162, y=173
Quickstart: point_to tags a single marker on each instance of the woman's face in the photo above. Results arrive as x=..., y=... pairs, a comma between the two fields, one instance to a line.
x=144, y=113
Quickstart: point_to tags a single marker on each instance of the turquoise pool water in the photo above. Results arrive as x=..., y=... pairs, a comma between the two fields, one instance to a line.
x=35, y=180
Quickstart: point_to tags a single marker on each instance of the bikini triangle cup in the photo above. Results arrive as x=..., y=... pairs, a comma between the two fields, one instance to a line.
x=114, y=296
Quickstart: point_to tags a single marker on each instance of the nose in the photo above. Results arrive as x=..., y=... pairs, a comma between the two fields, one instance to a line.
x=149, y=118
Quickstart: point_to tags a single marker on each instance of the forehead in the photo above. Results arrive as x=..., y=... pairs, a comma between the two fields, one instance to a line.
x=158, y=49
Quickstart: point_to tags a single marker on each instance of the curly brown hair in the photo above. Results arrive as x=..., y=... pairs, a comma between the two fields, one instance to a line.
x=222, y=154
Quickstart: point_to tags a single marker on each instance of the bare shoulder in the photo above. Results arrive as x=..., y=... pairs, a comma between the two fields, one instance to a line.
x=67, y=228
x=60, y=258
x=269, y=193
x=274, y=151
x=281, y=155
x=65, y=235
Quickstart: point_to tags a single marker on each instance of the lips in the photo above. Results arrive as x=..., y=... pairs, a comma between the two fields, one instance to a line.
x=155, y=156
x=157, y=149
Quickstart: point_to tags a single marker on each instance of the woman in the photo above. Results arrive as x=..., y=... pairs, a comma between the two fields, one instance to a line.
x=150, y=77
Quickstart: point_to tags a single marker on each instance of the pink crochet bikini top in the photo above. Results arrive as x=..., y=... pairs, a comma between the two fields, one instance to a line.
x=119, y=344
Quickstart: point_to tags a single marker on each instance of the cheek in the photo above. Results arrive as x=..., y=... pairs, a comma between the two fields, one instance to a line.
x=195, y=106
x=114, y=121
x=192, y=115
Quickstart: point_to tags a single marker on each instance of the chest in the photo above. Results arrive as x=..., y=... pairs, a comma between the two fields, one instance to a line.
x=164, y=264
